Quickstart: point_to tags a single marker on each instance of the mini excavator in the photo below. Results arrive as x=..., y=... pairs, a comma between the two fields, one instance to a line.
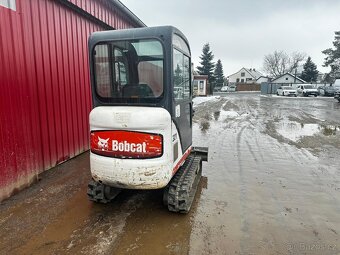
x=141, y=121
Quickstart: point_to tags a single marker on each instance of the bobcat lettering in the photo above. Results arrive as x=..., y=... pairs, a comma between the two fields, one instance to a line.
x=128, y=147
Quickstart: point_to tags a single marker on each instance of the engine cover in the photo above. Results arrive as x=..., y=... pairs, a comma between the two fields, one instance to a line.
x=131, y=147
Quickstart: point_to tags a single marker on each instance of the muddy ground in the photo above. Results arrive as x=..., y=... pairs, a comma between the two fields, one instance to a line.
x=271, y=186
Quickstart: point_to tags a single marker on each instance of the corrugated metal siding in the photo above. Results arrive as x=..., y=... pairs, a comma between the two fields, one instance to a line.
x=103, y=10
x=45, y=89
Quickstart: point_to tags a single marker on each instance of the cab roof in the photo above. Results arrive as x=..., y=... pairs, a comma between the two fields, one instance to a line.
x=160, y=32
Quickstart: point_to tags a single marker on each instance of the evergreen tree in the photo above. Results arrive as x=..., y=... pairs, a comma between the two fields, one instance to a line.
x=333, y=58
x=218, y=73
x=207, y=65
x=310, y=71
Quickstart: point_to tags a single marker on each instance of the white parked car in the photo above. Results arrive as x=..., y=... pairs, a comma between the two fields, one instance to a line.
x=306, y=90
x=224, y=89
x=286, y=91
x=232, y=88
x=337, y=89
x=336, y=85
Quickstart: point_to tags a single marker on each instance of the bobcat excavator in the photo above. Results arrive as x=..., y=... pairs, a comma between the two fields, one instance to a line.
x=141, y=121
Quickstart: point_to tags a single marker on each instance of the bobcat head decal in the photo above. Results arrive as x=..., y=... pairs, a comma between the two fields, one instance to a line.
x=103, y=144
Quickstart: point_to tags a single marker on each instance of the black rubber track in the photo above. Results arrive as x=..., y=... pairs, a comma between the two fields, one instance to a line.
x=180, y=193
x=100, y=193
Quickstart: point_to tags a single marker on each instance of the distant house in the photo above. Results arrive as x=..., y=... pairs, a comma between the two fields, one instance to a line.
x=320, y=78
x=244, y=76
x=287, y=78
x=200, y=85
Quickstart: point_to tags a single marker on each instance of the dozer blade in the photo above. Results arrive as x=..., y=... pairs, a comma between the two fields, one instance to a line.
x=201, y=151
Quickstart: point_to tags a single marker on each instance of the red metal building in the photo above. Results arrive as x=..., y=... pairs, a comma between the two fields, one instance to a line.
x=44, y=81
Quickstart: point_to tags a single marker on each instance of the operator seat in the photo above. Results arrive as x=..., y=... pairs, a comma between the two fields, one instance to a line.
x=137, y=91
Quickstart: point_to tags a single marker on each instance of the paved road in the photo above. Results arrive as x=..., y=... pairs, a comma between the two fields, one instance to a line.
x=271, y=186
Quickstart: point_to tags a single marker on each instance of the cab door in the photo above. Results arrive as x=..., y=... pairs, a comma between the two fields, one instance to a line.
x=182, y=100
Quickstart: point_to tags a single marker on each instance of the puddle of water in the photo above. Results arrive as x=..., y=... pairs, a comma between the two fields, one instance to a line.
x=295, y=131
x=229, y=114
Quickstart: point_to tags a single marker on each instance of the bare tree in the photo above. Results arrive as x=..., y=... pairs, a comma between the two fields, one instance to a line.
x=279, y=62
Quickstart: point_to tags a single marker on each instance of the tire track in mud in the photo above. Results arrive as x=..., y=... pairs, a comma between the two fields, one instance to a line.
x=243, y=125
x=212, y=235
x=246, y=134
x=243, y=195
x=258, y=146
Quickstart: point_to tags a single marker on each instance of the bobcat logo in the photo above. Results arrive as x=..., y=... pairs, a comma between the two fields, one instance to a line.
x=103, y=144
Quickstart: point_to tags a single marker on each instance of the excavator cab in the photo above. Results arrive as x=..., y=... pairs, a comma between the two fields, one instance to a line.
x=141, y=121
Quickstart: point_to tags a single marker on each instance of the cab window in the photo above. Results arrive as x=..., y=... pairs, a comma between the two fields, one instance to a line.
x=102, y=70
x=181, y=74
x=181, y=70
x=129, y=71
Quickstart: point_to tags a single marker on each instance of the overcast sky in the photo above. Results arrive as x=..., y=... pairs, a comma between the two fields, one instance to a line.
x=241, y=32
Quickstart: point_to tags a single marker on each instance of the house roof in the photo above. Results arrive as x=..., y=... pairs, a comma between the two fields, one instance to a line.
x=295, y=77
x=262, y=76
x=254, y=73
